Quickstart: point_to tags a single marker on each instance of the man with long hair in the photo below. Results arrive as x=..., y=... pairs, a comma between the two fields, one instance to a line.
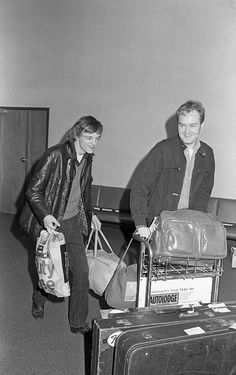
x=59, y=197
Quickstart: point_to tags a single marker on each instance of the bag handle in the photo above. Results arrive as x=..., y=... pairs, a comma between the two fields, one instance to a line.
x=105, y=240
x=152, y=227
x=97, y=233
x=89, y=241
x=125, y=252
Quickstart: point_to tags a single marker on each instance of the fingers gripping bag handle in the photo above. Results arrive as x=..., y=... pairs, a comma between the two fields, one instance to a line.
x=98, y=234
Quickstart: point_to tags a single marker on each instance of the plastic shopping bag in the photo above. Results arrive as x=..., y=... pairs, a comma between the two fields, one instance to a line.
x=52, y=263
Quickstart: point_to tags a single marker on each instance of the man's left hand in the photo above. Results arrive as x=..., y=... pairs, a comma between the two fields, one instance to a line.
x=96, y=223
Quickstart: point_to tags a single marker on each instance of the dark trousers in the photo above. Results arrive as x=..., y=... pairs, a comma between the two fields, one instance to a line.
x=78, y=274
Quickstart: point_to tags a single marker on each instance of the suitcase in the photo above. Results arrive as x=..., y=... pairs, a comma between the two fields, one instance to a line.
x=200, y=346
x=106, y=331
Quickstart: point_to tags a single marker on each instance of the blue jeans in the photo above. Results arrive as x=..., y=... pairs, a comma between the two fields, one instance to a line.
x=78, y=274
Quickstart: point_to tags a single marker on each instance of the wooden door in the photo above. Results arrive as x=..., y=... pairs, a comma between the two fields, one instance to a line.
x=23, y=139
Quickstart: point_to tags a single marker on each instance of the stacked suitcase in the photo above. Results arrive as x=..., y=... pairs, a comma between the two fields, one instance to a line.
x=153, y=341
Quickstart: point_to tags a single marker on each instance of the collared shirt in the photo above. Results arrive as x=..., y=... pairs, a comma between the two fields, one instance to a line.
x=190, y=160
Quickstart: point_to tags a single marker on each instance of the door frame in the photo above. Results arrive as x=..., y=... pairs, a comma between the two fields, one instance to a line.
x=30, y=120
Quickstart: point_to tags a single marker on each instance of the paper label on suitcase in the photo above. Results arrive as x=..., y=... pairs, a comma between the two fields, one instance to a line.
x=177, y=291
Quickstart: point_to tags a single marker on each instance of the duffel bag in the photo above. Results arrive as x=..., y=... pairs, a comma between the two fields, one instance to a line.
x=102, y=264
x=189, y=234
x=121, y=291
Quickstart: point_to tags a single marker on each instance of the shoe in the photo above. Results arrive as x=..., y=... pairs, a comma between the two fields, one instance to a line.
x=84, y=330
x=37, y=311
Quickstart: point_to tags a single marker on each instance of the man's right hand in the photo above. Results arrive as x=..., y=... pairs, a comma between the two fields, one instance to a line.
x=143, y=232
x=50, y=223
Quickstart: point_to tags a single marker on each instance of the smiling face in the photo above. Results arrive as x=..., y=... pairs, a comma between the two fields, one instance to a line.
x=87, y=142
x=189, y=127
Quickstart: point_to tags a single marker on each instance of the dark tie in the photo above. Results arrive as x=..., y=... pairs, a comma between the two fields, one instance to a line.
x=82, y=218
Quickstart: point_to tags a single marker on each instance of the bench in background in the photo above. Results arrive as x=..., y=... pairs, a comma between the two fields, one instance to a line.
x=111, y=204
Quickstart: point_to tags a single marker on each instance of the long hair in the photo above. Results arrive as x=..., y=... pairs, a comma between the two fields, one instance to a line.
x=86, y=124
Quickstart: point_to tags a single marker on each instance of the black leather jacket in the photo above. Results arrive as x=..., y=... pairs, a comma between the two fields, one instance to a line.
x=49, y=188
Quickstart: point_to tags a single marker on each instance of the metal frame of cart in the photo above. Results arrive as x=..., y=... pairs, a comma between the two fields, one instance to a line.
x=201, y=274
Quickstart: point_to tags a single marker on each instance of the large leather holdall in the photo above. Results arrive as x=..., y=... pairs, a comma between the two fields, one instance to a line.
x=200, y=346
x=189, y=234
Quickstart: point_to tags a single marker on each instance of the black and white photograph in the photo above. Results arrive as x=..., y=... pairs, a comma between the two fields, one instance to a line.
x=117, y=187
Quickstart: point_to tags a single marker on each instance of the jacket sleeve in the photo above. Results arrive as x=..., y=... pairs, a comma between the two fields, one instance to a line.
x=203, y=193
x=36, y=191
x=143, y=182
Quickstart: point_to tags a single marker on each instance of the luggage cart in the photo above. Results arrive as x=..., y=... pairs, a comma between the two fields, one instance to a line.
x=176, y=281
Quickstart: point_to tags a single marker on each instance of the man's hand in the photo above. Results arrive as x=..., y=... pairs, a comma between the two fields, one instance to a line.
x=95, y=223
x=143, y=232
x=50, y=223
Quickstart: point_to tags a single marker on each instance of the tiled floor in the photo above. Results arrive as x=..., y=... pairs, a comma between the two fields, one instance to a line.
x=27, y=346
x=47, y=347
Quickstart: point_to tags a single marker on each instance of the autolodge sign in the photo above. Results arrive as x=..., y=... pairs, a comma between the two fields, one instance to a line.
x=181, y=291
x=170, y=299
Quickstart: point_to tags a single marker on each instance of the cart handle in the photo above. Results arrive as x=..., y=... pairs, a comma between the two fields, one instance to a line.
x=144, y=242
